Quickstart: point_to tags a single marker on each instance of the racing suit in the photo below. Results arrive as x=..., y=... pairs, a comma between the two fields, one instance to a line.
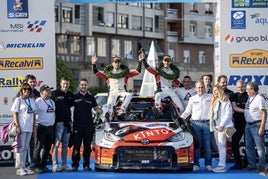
x=117, y=87
x=164, y=86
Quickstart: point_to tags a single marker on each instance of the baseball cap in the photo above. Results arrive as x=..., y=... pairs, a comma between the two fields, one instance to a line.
x=45, y=87
x=116, y=59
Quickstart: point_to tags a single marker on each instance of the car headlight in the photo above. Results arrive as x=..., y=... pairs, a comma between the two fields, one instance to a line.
x=177, y=137
x=111, y=137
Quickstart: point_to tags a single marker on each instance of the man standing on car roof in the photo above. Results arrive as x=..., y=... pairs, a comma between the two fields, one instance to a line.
x=83, y=126
x=166, y=74
x=116, y=76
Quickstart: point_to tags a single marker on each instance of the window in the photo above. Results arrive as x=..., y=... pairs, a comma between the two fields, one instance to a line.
x=193, y=29
x=77, y=12
x=194, y=8
x=148, y=5
x=186, y=56
x=74, y=42
x=122, y=21
x=128, y=52
x=136, y=23
x=202, y=57
x=148, y=24
x=156, y=23
x=98, y=16
x=109, y=19
x=56, y=12
x=208, y=8
x=115, y=47
x=67, y=15
x=62, y=44
x=90, y=46
x=102, y=47
x=208, y=31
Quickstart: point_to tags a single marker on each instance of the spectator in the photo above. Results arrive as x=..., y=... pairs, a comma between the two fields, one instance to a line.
x=44, y=128
x=116, y=76
x=221, y=118
x=208, y=78
x=83, y=125
x=238, y=101
x=186, y=91
x=199, y=108
x=255, y=115
x=165, y=75
x=222, y=81
x=23, y=110
x=63, y=99
x=31, y=80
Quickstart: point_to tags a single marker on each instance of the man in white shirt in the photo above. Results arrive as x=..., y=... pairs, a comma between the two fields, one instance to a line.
x=186, y=91
x=199, y=109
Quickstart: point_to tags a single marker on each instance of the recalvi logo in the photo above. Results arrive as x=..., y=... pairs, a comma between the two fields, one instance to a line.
x=254, y=58
x=21, y=63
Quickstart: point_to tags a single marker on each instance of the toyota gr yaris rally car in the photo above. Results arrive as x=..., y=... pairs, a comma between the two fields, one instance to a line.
x=144, y=138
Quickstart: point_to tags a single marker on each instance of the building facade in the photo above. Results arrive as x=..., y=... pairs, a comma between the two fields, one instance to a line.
x=183, y=31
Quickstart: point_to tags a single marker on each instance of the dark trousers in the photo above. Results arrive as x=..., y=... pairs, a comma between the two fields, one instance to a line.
x=240, y=130
x=43, y=140
x=85, y=135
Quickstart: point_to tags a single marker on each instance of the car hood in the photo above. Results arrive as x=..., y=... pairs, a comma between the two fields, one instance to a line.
x=140, y=130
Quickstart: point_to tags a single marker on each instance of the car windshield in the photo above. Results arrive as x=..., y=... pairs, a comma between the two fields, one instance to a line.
x=142, y=109
x=101, y=100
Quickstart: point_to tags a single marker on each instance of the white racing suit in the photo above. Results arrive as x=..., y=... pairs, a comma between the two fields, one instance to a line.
x=117, y=88
x=164, y=87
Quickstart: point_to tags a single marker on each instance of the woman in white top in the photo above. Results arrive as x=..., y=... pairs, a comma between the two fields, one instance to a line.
x=221, y=117
x=23, y=110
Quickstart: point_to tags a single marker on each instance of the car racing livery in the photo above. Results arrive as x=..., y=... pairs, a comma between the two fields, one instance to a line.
x=144, y=138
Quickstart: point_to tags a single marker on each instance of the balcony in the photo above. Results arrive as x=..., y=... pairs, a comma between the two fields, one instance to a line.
x=172, y=14
x=172, y=36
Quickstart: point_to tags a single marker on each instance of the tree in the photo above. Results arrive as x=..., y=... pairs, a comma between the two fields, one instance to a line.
x=63, y=70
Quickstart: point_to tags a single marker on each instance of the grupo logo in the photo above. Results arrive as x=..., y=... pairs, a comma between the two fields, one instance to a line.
x=246, y=39
x=254, y=58
x=258, y=19
x=21, y=63
x=36, y=26
x=17, y=9
x=20, y=46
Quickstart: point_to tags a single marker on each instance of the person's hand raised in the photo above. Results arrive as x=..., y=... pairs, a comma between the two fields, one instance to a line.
x=141, y=56
x=94, y=59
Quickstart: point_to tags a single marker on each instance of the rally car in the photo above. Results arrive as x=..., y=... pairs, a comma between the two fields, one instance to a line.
x=144, y=138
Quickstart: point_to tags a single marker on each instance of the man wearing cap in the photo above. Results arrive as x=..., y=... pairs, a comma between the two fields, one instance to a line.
x=116, y=76
x=44, y=128
x=166, y=74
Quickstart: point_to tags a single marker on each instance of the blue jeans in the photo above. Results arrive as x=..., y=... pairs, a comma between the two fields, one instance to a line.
x=61, y=135
x=253, y=139
x=203, y=132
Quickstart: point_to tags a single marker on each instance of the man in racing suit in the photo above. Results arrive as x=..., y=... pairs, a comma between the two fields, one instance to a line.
x=166, y=74
x=116, y=76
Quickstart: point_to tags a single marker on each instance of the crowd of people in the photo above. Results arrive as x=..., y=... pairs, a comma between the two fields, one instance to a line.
x=44, y=119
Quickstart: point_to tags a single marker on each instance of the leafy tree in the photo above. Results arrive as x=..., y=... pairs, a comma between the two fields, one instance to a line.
x=63, y=70
x=98, y=89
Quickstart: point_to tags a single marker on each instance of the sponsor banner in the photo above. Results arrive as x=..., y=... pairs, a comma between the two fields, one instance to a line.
x=30, y=63
x=250, y=4
x=254, y=58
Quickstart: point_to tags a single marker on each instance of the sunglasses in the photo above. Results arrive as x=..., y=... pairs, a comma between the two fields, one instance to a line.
x=26, y=89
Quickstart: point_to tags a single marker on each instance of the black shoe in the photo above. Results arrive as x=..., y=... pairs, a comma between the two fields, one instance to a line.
x=39, y=170
x=75, y=169
x=236, y=167
x=87, y=168
x=46, y=170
